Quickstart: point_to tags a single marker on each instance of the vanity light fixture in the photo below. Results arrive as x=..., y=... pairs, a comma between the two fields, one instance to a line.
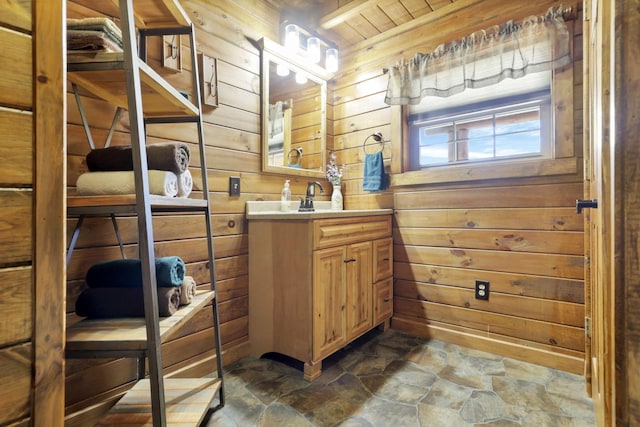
x=282, y=70
x=301, y=78
x=331, y=60
x=313, y=49
x=308, y=45
x=292, y=37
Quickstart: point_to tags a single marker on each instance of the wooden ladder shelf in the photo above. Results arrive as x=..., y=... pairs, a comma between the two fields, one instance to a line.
x=126, y=80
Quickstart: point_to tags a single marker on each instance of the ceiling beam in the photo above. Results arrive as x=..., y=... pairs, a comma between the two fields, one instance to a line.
x=346, y=12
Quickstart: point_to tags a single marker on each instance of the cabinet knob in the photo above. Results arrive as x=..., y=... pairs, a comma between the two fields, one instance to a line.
x=387, y=299
x=349, y=260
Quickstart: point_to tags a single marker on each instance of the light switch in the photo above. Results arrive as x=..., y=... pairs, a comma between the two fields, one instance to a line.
x=234, y=185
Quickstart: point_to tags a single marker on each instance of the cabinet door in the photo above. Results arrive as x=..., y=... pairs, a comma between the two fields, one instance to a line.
x=359, y=289
x=329, y=301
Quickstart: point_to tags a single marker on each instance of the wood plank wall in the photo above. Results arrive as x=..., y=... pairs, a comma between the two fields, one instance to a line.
x=522, y=235
x=16, y=196
x=627, y=194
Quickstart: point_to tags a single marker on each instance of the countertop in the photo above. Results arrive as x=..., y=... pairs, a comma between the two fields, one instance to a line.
x=271, y=210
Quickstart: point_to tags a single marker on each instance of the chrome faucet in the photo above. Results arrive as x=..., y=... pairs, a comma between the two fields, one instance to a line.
x=306, y=204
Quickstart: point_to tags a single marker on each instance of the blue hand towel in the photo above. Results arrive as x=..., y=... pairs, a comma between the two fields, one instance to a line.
x=127, y=273
x=374, y=176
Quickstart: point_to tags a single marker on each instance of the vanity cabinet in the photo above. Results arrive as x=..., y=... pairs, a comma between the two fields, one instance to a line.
x=315, y=285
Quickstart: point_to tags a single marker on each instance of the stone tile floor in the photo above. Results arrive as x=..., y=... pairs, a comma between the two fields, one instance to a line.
x=394, y=379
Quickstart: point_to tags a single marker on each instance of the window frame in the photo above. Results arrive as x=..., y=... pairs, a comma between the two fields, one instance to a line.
x=494, y=107
x=563, y=158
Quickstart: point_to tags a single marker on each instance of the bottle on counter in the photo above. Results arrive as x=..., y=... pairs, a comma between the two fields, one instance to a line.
x=285, y=198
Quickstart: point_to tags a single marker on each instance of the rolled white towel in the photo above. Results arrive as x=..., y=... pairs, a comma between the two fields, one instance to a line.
x=185, y=184
x=188, y=290
x=162, y=183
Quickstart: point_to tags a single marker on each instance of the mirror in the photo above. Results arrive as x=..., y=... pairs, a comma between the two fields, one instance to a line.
x=294, y=98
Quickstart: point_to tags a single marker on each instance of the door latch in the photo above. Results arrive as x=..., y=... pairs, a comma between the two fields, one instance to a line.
x=582, y=204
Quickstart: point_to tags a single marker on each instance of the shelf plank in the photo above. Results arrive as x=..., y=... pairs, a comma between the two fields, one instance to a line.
x=159, y=14
x=126, y=203
x=103, y=75
x=130, y=333
x=187, y=402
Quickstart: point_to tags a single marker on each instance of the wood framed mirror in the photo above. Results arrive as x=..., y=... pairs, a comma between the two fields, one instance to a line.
x=294, y=119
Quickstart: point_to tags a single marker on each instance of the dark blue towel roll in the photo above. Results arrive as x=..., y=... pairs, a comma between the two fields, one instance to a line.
x=109, y=303
x=127, y=273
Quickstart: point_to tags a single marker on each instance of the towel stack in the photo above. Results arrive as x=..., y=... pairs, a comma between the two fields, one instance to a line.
x=111, y=171
x=96, y=34
x=115, y=288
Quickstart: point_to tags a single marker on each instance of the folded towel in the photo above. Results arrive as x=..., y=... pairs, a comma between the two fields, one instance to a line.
x=167, y=156
x=161, y=183
x=185, y=184
x=187, y=290
x=374, y=177
x=91, y=41
x=107, y=303
x=97, y=23
x=127, y=273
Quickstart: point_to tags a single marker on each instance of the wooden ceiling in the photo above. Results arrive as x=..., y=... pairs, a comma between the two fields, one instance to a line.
x=351, y=22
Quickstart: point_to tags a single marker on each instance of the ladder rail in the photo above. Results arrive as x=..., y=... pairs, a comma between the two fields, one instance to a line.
x=209, y=229
x=143, y=207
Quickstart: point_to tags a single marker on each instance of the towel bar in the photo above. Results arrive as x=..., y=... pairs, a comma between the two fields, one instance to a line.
x=378, y=138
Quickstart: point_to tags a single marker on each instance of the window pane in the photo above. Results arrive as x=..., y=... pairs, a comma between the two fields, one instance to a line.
x=481, y=148
x=502, y=128
x=434, y=154
x=518, y=121
x=436, y=134
x=518, y=143
x=475, y=128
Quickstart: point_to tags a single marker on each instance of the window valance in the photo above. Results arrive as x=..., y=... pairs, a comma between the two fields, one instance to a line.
x=511, y=50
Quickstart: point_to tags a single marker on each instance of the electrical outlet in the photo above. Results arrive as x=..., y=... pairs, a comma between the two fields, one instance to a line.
x=234, y=185
x=482, y=289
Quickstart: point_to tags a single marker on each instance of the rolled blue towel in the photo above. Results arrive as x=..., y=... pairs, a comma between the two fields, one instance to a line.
x=109, y=303
x=374, y=177
x=127, y=273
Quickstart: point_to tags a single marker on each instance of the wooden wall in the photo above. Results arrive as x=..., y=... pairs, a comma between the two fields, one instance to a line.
x=16, y=175
x=627, y=129
x=32, y=194
x=520, y=234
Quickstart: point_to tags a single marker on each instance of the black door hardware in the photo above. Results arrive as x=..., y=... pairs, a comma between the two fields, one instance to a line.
x=582, y=204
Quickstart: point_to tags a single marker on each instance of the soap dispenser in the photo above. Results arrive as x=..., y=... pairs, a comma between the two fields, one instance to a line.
x=285, y=198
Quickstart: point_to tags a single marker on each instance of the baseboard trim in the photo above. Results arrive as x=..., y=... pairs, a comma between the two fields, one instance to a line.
x=492, y=344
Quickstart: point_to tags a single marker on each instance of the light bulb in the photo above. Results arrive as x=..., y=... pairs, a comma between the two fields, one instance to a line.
x=313, y=49
x=331, y=60
x=291, y=37
x=282, y=70
x=301, y=78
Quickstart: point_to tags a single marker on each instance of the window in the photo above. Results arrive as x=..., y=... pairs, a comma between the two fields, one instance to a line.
x=558, y=141
x=511, y=120
x=496, y=104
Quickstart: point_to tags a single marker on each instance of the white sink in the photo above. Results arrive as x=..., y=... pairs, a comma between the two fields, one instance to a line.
x=271, y=210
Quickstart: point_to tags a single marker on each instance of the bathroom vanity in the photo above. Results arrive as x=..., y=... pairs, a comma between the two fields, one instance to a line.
x=317, y=281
